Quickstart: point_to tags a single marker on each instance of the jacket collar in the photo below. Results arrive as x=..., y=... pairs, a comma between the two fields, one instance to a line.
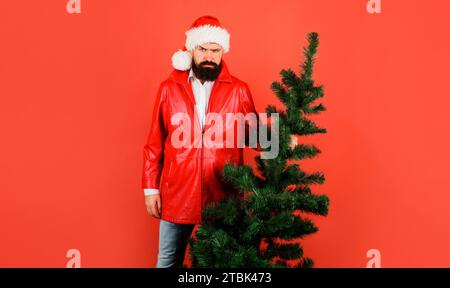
x=182, y=76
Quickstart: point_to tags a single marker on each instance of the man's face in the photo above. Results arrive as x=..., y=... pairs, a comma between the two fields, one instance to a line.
x=207, y=61
x=208, y=52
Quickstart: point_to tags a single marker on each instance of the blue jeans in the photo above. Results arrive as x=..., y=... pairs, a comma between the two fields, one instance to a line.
x=173, y=239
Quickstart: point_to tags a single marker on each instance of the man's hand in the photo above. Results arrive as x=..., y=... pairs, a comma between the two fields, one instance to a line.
x=294, y=141
x=153, y=204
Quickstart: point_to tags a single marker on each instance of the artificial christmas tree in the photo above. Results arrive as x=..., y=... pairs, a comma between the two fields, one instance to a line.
x=253, y=230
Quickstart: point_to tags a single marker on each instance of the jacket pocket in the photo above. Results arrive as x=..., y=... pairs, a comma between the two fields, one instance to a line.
x=182, y=187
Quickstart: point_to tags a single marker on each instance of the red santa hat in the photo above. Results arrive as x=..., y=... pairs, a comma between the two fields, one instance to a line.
x=206, y=29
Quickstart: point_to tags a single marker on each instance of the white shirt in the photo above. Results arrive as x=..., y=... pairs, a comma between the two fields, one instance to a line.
x=202, y=92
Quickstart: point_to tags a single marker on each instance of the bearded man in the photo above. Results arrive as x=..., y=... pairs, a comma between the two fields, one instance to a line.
x=179, y=181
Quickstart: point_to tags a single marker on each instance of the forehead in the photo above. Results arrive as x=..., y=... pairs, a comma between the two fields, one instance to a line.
x=210, y=45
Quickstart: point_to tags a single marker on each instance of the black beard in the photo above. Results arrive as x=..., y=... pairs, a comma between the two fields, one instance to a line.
x=206, y=73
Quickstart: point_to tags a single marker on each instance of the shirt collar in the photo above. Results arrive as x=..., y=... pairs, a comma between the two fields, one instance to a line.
x=191, y=74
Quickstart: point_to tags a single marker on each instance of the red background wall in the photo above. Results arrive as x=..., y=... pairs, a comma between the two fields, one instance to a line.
x=76, y=95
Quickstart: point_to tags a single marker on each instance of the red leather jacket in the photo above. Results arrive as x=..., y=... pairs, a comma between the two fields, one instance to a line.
x=190, y=177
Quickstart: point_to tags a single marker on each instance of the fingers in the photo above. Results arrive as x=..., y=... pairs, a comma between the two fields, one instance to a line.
x=153, y=206
x=294, y=141
x=150, y=211
x=155, y=210
x=158, y=201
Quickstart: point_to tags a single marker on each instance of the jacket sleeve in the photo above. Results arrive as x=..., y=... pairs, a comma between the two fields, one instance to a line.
x=154, y=148
x=249, y=107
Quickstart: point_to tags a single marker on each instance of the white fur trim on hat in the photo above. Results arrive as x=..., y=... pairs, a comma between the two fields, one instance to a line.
x=205, y=34
x=182, y=60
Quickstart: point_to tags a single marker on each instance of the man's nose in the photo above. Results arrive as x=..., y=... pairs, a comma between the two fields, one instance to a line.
x=209, y=56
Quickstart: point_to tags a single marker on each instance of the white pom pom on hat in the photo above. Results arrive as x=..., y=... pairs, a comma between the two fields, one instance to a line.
x=206, y=29
x=182, y=60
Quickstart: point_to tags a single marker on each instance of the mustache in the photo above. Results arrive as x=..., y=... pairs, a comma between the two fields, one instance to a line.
x=204, y=63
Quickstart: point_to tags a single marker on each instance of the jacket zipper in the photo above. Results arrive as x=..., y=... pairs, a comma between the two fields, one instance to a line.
x=201, y=156
x=202, y=133
x=201, y=179
x=208, y=106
